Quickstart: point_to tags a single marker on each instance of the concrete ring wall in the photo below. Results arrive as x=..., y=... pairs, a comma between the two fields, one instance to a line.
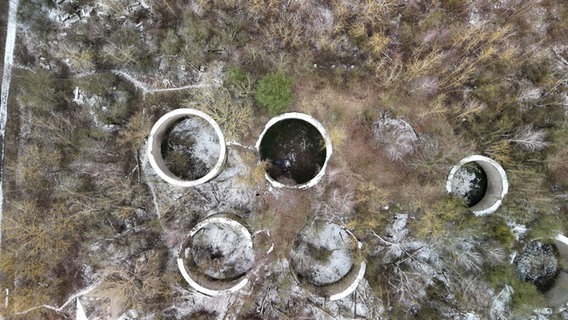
x=497, y=184
x=344, y=286
x=199, y=282
x=557, y=295
x=328, y=147
x=156, y=138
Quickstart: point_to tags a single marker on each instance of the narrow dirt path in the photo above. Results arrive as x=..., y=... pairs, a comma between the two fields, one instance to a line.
x=6, y=77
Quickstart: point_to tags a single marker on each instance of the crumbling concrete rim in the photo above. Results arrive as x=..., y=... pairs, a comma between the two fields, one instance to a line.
x=502, y=181
x=321, y=129
x=222, y=220
x=155, y=141
x=204, y=290
x=353, y=286
x=359, y=266
x=235, y=225
x=561, y=238
x=360, y=273
x=561, y=282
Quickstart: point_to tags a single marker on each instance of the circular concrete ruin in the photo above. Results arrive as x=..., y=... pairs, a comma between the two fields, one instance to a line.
x=216, y=256
x=325, y=259
x=297, y=148
x=200, y=147
x=463, y=182
x=557, y=294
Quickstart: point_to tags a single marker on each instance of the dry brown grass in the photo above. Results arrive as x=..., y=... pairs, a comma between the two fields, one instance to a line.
x=290, y=211
x=353, y=110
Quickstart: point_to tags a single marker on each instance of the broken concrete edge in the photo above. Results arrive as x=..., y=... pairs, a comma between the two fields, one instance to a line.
x=155, y=140
x=561, y=238
x=556, y=296
x=321, y=129
x=353, y=285
x=334, y=291
x=80, y=313
x=360, y=274
x=561, y=243
x=182, y=267
x=497, y=184
x=202, y=289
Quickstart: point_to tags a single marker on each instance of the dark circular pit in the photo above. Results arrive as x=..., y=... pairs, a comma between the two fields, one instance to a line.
x=295, y=151
x=538, y=263
x=480, y=181
x=475, y=181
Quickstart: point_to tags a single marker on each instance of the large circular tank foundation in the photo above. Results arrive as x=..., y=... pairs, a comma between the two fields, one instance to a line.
x=216, y=256
x=557, y=295
x=480, y=181
x=325, y=259
x=297, y=149
x=189, y=141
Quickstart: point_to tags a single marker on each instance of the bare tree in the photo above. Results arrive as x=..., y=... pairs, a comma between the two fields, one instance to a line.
x=530, y=139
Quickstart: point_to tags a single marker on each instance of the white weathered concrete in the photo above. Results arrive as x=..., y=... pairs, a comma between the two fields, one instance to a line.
x=6, y=78
x=360, y=274
x=497, y=184
x=353, y=285
x=81, y=315
x=202, y=287
x=328, y=147
x=343, y=286
x=557, y=295
x=156, y=138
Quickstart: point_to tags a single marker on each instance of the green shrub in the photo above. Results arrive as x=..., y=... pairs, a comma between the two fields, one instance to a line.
x=237, y=76
x=274, y=92
x=240, y=81
x=497, y=229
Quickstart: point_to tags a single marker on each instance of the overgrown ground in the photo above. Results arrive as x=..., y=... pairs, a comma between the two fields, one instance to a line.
x=484, y=77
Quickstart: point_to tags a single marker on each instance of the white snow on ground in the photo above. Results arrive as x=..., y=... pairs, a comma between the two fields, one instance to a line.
x=463, y=182
x=395, y=136
x=206, y=146
x=518, y=230
x=236, y=253
x=6, y=77
x=222, y=194
x=329, y=238
x=206, y=80
x=499, y=306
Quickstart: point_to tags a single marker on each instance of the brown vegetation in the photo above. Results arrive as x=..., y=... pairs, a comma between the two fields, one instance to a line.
x=468, y=76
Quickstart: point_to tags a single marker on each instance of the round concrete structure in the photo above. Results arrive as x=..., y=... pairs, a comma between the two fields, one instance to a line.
x=320, y=128
x=335, y=279
x=202, y=282
x=557, y=295
x=157, y=135
x=497, y=184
